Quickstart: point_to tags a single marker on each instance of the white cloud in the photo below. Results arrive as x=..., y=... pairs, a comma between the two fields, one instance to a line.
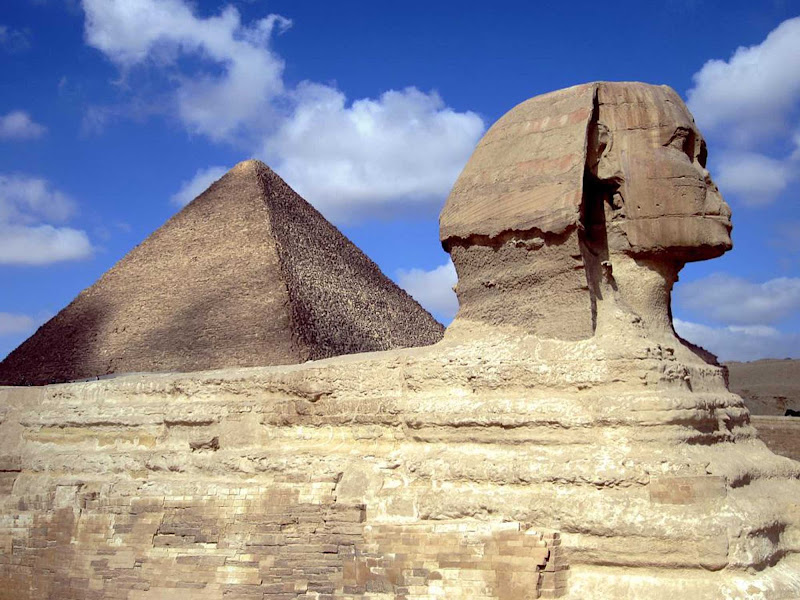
x=19, y=125
x=195, y=186
x=12, y=324
x=432, y=289
x=735, y=300
x=25, y=199
x=754, y=178
x=41, y=245
x=223, y=100
x=402, y=149
x=741, y=343
x=756, y=90
x=751, y=103
x=27, y=207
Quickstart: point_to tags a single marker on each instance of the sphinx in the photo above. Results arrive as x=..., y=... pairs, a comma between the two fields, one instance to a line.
x=580, y=205
x=560, y=440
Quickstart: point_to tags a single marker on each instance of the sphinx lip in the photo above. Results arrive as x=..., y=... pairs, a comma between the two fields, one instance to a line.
x=725, y=220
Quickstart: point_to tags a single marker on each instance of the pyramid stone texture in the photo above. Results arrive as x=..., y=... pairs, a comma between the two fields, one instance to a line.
x=247, y=274
x=340, y=301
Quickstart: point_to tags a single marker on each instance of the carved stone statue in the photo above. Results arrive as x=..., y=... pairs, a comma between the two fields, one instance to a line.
x=580, y=205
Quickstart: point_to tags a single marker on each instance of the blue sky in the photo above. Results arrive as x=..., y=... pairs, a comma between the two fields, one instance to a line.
x=113, y=113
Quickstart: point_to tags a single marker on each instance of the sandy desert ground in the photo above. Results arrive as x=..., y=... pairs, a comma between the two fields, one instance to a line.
x=769, y=386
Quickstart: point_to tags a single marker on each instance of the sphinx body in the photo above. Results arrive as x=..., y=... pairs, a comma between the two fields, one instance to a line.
x=560, y=441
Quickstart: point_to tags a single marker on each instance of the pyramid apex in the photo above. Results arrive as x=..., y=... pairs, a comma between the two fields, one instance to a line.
x=250, y=164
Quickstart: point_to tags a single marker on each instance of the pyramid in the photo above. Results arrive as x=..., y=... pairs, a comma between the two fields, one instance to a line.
x=247, y=274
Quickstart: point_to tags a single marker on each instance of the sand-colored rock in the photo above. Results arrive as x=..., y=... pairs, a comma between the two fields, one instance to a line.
x=581, y=201
x=247, y=274
x=507, y=461
x=646, y=467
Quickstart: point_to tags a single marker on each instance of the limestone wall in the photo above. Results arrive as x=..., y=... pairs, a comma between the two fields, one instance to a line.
x=505, y=468
x=135, y=489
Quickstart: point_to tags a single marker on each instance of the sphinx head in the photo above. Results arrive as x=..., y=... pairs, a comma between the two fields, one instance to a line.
x=582, y=205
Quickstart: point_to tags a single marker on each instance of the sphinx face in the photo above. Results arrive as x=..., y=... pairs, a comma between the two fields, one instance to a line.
x=666, y=203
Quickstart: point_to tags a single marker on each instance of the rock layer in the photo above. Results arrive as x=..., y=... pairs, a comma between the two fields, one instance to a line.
x=247, y=274
x=338, y=477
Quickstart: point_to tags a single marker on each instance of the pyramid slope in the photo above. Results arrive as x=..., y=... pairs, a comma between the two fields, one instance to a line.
x=341, y=301
x=217, y=286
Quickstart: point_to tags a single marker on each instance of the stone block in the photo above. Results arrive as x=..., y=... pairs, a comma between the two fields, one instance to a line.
x=686, y=489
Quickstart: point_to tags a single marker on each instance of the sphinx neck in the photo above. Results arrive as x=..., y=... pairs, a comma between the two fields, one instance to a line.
x=642, y=288
x=530, y=281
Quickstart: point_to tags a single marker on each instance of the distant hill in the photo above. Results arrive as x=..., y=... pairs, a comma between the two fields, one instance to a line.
x=768, y=386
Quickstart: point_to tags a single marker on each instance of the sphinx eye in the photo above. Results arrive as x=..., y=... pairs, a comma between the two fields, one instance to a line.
x=682, y=141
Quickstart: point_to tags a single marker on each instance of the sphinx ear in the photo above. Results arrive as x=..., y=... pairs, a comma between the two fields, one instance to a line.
x=598, y=140
x=601, y=160
x=603, y=165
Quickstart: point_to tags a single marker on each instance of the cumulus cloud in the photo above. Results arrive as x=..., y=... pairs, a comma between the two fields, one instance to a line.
x=756, y=179
x=18, y=125
x=41, y=245
x=28, y=207
x=195, y=186
x=743, y=343
x=226, y=96
x=12, y=323
x=25, y=199
x=398, y=151
x=751, y=102
x=734, y=300
x=402, y=149
x=757, y=89
x=432, y=289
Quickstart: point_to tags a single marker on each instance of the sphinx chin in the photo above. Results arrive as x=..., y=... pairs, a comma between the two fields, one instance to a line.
x=691, y=238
